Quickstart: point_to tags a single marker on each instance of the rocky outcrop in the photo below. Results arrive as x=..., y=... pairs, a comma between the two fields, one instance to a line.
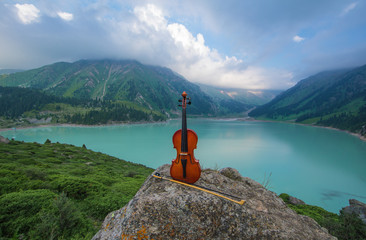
x=363, y=131
x=165, y=210
x=295, y=201
x=357, y=207
x=4, y=140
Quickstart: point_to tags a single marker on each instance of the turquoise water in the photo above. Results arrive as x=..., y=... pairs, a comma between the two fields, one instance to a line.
x=320, y=166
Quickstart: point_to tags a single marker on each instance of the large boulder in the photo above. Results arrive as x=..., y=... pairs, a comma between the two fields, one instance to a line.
x=356, y=207
x=166, y=210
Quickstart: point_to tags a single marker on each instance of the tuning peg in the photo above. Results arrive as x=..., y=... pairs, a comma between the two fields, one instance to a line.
x=189, y=103
x=179, y=105
x=180, y=100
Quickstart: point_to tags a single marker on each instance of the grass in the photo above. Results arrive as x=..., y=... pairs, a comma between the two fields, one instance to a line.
x=343, y=226
x=54, y=180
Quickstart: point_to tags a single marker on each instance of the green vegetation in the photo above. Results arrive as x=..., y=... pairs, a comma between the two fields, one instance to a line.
x=23, y=106
x=343, y=226
x=59, y=191
x=336, y=99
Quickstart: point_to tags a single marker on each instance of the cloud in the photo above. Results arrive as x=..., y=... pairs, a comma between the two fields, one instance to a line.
x=297, y=38
x=347, y=9
x=144, y=33
x=150, y=15
x=65, y=16
x=27, y=13
x=208, y=41
x=191, y=57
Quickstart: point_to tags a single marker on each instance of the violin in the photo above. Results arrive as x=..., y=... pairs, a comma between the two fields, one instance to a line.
x=185, y=167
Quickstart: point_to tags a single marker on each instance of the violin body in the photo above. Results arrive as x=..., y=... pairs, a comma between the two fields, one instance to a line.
x=185, y=167
x=193, y=168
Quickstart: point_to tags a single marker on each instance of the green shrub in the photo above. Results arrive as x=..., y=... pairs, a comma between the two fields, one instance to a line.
x=350, y=227
x=19, y=211
x=343, y=226
x=11, y=181
x=285, y=197
x=131, y=174
x=32, y=175
x=99, y=207
x=61, y=221
x=76, y=187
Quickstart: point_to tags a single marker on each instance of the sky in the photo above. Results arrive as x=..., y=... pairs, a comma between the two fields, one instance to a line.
x=261, y=44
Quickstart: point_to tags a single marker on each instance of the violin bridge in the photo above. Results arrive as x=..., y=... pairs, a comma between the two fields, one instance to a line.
x=183, y=154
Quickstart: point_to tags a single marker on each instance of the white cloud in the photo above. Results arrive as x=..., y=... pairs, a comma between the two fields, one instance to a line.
x=27, y=13
x=146, y=34
x=348, y=8
x=151, y=16
x=298, y=39
x=65, y=16
x=173, y=44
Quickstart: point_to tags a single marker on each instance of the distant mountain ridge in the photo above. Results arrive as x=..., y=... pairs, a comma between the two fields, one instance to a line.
x=333, y=98
x=9, y=71
x=153, y=87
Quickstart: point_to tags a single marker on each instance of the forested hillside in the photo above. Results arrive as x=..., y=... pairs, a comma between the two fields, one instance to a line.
x=334, y=98
x=23, y=106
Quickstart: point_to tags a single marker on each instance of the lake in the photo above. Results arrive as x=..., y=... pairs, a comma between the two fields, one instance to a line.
x=321, y=166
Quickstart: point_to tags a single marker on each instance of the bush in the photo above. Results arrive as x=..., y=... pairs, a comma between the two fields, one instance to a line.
x=93, y=184
x=350, y=227
x=19, y=211
x=62, y=220
x=10, y=181
x=343, y=226
x=76, y=187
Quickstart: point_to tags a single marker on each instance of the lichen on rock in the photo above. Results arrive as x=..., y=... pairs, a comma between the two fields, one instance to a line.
x=166, y=210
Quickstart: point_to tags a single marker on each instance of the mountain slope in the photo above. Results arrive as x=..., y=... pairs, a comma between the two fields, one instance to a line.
x=27, y=106
x=334, y=98
x=155, y=88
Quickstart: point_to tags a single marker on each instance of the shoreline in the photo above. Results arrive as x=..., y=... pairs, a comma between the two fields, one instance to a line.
x=359, y=136
x=80, y=125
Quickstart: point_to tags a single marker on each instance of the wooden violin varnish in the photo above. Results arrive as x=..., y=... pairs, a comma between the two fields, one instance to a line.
x=185, y=167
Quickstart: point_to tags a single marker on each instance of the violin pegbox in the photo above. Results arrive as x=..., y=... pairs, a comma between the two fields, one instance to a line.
x=184, y=100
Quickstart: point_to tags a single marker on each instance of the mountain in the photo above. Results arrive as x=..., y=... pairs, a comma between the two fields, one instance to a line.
x=8, y=71
x=152, y=87
x=332, y=98
x=246, y=96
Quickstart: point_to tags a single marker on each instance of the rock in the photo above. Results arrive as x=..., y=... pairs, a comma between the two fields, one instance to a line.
x=231, y=173
x=295, y=201
x=363, y=130
x=4, y=140
x=39, y=121
x=357, y=207
x=165, y=210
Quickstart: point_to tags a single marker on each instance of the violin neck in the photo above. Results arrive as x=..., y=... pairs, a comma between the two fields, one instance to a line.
x=184, y=143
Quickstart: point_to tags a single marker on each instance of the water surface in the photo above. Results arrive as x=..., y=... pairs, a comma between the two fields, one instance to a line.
x=321, y=166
